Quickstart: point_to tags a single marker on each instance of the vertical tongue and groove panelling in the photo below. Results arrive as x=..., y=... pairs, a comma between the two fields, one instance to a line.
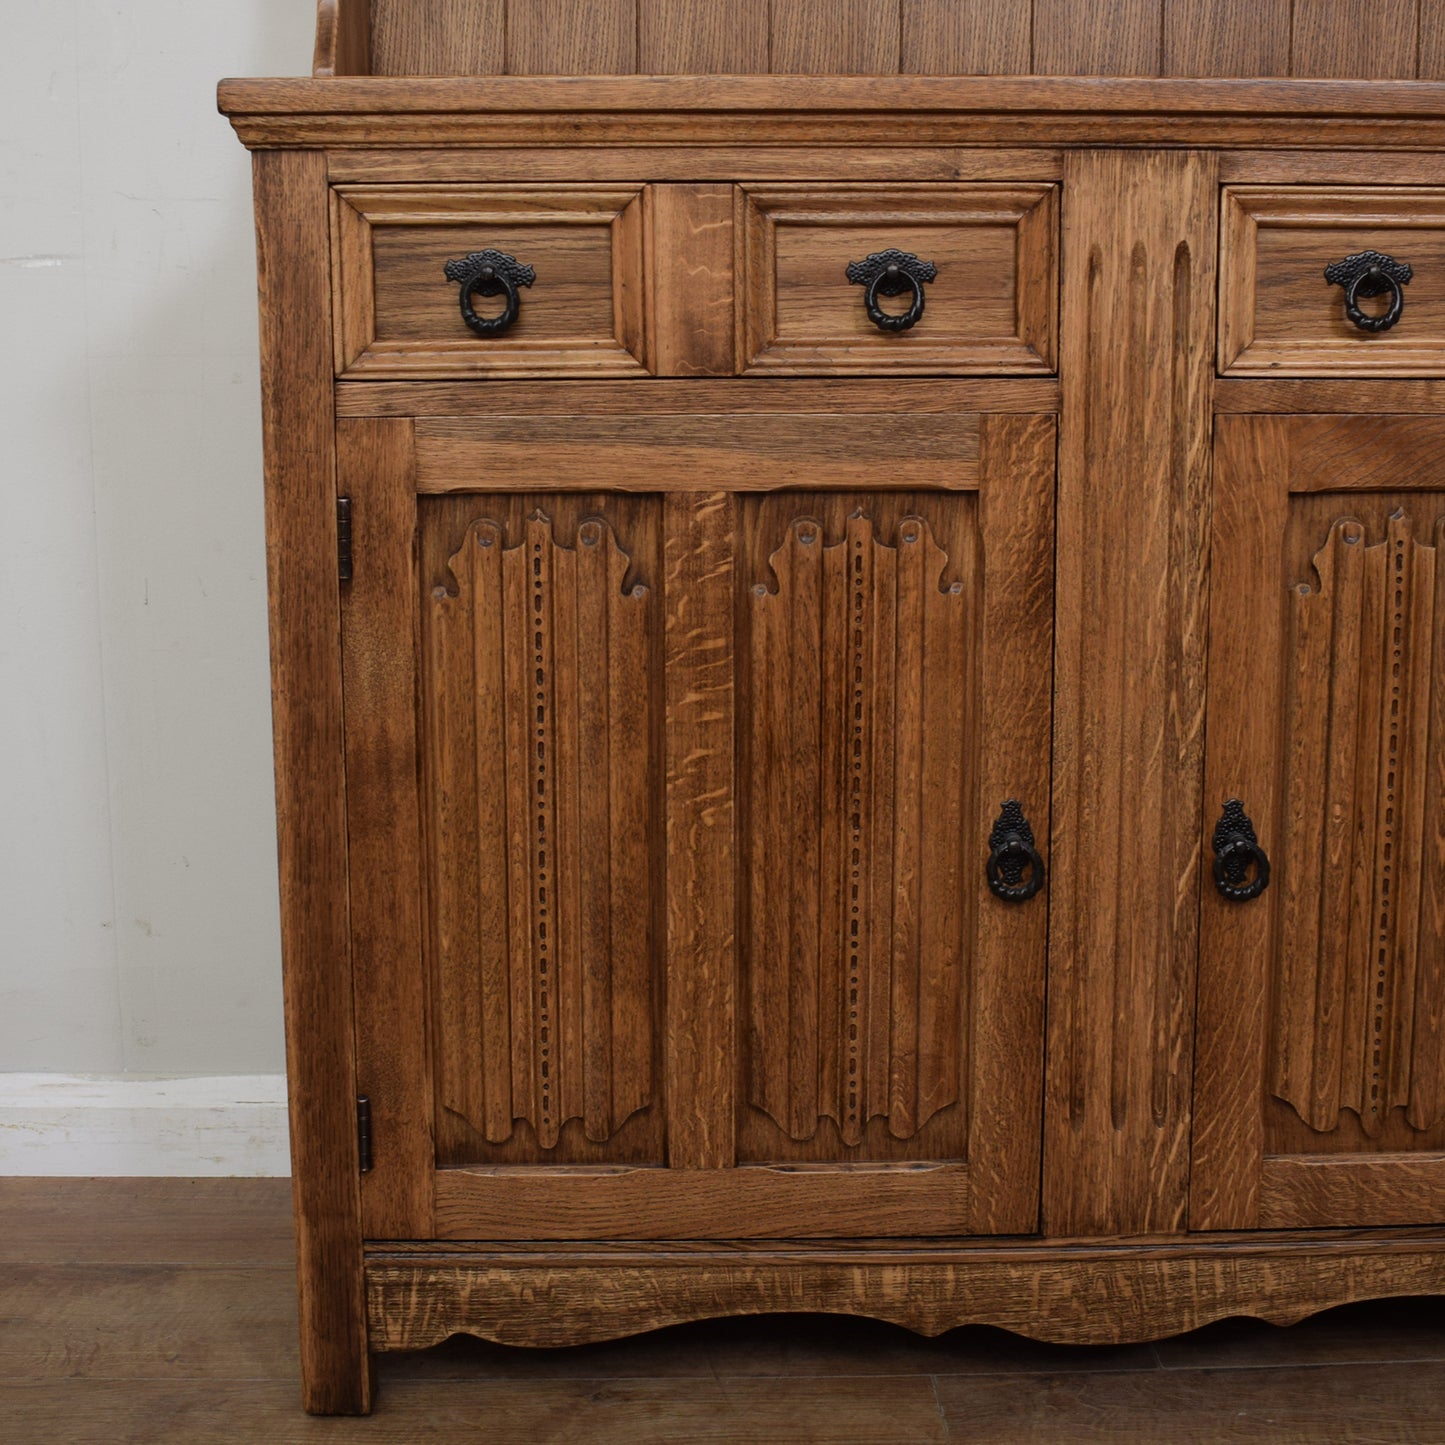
x=1342, y=39
x=541, y=919
x=1362, y=978
x=856, y=786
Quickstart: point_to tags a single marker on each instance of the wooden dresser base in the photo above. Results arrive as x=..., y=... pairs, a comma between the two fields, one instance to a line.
x=1066, y=1292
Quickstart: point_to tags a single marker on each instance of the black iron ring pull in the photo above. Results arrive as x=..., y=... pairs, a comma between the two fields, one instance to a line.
x=1012, y=855
x=1237, y=854
x=891, y=273
x=490, y=273
x=1371, y=273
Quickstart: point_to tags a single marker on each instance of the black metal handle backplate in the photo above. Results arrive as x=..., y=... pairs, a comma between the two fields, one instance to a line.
x=1014, y=869
x=490, y=273
x=1371, y=273
x=1237, y=855
x=891, y=273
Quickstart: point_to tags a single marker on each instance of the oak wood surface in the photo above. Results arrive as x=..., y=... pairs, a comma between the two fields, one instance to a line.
x=399, y=315
x=529, y=163
x=1079, y=1294
x=846, y=451
x=701, y=829
x=740, y=398
x=990, y=309
x=1323, y=994
x=292, y=266
x=1139, y=263
x=1369, y=39
x=1277, y=315
x=704, y=37
x=374, y=467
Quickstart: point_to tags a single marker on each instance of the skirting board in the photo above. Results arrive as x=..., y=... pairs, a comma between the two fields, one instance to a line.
x=104, y=1124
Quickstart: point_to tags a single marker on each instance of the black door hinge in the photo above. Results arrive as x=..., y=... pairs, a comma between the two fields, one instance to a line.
x=343, y=538
x=363, y=1133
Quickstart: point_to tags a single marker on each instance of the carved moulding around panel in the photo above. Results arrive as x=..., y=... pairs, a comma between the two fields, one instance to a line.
x=1359, y=1017
x=537, y=731
x=856, y=781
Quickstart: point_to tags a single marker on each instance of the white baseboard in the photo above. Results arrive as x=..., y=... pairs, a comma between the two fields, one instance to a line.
x=94, y=1124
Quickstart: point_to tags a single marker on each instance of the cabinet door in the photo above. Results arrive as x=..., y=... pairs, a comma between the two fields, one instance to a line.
x=670, y=804
x=1321, y=1070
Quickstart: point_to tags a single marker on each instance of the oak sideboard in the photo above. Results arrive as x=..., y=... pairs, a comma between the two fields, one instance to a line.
x=859, y=693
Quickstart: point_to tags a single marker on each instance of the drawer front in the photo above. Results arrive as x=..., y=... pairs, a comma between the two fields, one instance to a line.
x=1279, y=316
x=579, y=310
x=988, y=309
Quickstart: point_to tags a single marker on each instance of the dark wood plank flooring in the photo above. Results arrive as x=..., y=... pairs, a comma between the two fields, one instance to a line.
x=150, y=1310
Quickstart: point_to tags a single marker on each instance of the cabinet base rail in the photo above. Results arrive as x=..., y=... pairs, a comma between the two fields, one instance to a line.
x=1063, y=1292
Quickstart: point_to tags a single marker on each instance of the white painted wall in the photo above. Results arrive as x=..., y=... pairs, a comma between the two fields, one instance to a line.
x=138, y=929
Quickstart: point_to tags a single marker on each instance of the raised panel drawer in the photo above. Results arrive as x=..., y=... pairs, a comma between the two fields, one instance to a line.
x=399, y=315
x=990, y=309
x=1279, y=316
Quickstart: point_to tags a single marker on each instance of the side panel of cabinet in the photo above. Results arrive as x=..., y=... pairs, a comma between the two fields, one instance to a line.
x=1321, y=1073
x=668, y=827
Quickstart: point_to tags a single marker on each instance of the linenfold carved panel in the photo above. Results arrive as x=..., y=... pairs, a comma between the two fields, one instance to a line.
x=537, y=720
x=1360, y=1002
x=858, y=669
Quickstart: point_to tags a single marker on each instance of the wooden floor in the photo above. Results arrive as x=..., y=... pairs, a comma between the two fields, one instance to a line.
x=162, y=1310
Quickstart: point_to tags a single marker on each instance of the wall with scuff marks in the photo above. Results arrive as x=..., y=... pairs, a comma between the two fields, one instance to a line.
x=137, y=859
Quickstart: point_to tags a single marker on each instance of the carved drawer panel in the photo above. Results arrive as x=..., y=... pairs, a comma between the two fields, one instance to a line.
x=1380, y=311
x=411, y=261
x=977, y=261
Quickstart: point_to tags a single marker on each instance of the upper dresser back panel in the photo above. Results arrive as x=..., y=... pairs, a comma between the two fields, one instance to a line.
x=1348, y=39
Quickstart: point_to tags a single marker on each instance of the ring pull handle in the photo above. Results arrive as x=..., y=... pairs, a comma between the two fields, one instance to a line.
x=891, y=273
x=1236, y=854
x=1015, y=870
x=490, y=273
x=1371, y=273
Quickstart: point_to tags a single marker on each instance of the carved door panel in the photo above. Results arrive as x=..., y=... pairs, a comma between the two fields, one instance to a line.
x=670, y=804
x=1321, y=1071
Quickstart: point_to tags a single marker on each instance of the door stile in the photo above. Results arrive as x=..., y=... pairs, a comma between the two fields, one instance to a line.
x=701, y=1045
x=1015, y=722
x=379, y=628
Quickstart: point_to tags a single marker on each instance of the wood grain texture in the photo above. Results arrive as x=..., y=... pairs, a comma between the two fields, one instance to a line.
x=1371, y=39
x=1325, y=992
x=1129, y=687
x=1109, y=37
x=833, y=37
x=590, y=400
x=1376, y=398
x=941, y=37
x=690, y=268
x=701, y=821
x=1305, y=1191
x=747, y=1202
x=438, y=37
x=1431, y=62
x=399, y=314
x=1226, y=37
x=1070, y=1293
x=1279, y=318
x=702, y=37
x=376, y=469
x=688, y=453
x=555, y=37
x=702, y=163
x=854, y=944
x=799, y=314
x=292, y=263
x=538, y=695
x=1360, y=964
x=343, y=38
x=900, y=112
